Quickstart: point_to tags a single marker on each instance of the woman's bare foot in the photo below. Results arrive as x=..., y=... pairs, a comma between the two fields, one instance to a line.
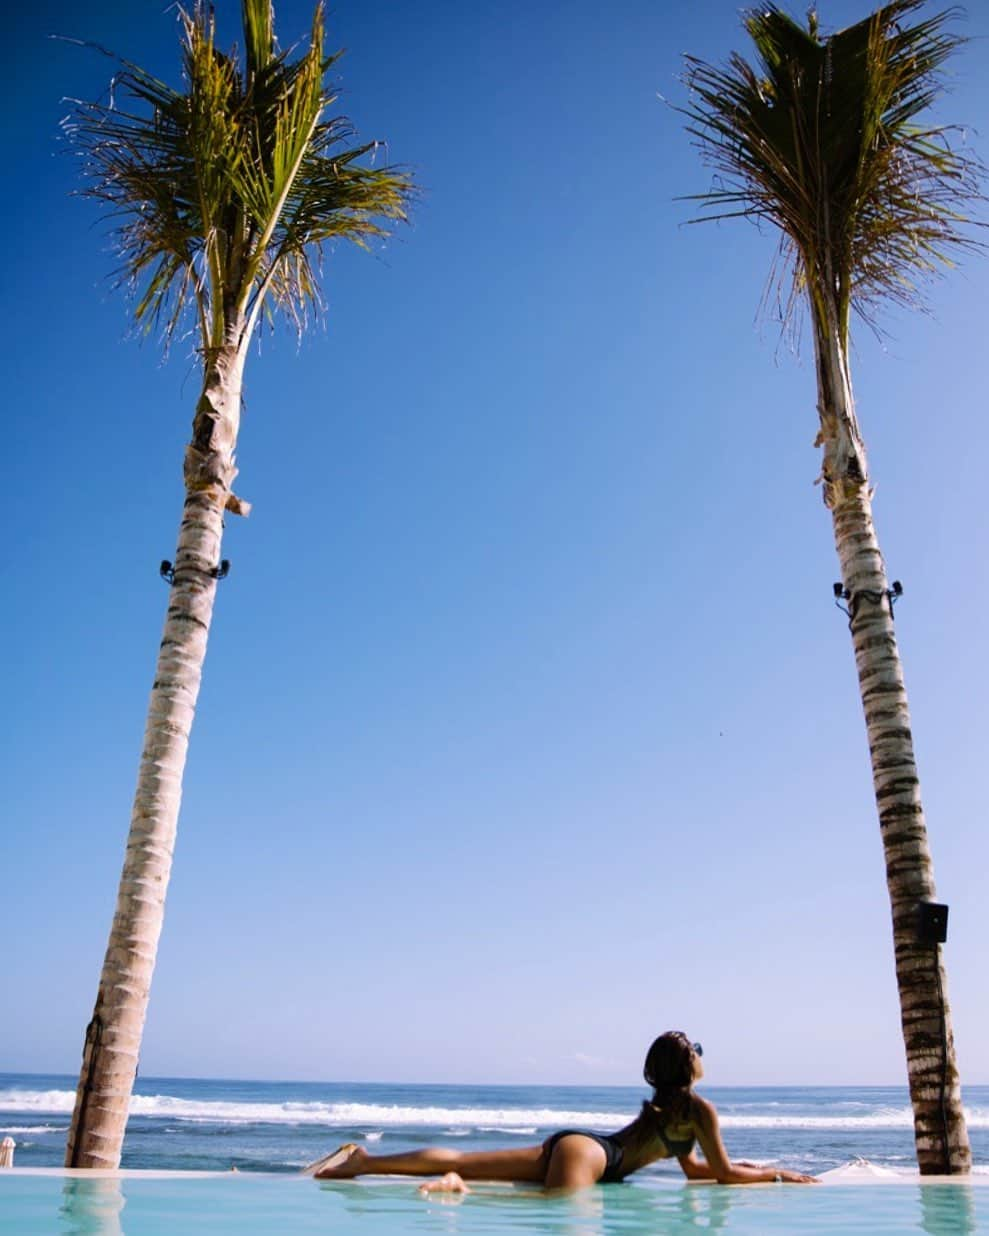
x=344, y=1163
x=452, y=1182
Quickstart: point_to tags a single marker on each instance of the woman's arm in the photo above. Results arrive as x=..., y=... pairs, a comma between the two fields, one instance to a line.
x=693, y=1168
x=719, y=1167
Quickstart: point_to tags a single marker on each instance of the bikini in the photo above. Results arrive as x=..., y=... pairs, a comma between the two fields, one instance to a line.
x=676, y=1147
x=614, y=1151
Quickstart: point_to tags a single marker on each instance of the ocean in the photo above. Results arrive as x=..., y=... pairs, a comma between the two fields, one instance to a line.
x=198, y=1124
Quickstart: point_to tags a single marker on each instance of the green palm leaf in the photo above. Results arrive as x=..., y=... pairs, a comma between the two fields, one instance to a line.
x=218, y=190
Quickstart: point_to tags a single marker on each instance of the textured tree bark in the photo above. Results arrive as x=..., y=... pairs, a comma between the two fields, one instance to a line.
x=940, y=1131
x=113, y=1038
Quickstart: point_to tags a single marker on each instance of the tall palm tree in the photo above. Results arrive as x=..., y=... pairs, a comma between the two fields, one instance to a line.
x=822, y=138
x=224, y=193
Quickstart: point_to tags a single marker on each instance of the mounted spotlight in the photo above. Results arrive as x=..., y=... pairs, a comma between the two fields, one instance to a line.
x=932, y=922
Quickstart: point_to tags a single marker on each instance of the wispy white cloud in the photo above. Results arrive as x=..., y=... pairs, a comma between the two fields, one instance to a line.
x=588, y=1061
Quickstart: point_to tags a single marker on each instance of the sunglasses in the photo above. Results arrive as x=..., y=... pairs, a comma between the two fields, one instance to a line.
x=697, y=1049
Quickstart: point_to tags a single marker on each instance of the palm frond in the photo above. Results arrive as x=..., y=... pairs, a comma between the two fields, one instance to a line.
x=823, y=138
x=259, y=36
x=216, y=190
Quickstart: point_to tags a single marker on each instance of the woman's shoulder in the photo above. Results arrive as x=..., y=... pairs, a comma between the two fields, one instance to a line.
x=702, y=1111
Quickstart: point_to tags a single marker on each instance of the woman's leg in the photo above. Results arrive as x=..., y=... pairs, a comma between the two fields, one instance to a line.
x=525, y=1164
x=574, y=1162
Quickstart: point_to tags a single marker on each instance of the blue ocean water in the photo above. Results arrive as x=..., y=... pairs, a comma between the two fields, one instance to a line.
x=198, y=1124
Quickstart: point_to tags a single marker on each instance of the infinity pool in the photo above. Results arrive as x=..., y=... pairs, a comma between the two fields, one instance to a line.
x=56, y=1205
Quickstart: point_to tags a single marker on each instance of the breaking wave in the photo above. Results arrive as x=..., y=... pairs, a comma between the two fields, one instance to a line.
x=510, y=1120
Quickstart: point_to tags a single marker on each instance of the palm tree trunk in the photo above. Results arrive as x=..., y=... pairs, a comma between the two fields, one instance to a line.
x=939, y=1122
x=113, y=1038
x=935, y=1091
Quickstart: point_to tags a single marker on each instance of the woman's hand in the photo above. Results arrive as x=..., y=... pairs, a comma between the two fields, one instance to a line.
x=786, y=1177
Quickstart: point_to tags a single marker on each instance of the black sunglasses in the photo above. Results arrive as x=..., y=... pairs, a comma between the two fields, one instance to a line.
x=698, y=1050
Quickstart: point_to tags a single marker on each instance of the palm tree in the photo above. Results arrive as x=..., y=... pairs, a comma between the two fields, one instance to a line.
x=224, y=194
x=822, y=139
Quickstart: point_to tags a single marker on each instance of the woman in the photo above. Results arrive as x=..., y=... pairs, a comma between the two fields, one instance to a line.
x=667, y=1127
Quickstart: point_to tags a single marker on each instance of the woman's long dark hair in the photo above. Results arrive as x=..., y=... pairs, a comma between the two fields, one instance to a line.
x=669, y=1069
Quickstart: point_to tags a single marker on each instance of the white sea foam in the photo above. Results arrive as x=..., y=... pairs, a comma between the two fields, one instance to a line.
x=37, y=1101
x=882, y=1118
x=33, y=1128
x=352, y=1114
x=455, y=1121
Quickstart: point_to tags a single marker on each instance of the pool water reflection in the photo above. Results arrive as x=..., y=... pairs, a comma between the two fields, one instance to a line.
x=250, y=1205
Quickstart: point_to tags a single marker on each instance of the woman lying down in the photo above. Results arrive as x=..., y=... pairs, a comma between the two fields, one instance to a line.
x=670, y=1125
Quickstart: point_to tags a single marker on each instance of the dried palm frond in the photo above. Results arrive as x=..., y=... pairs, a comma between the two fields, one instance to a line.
x=821, y=137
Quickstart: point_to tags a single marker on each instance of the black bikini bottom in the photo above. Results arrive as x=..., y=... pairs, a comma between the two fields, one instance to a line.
x=614, y=1153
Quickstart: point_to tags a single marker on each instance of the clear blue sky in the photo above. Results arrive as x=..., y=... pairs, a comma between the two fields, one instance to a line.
x=528, y=728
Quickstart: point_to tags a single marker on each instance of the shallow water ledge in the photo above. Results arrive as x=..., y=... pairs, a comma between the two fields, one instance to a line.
x=860, y=1172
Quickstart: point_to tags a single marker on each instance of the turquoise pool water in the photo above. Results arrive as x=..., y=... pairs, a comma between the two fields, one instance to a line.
x=249, y=1205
